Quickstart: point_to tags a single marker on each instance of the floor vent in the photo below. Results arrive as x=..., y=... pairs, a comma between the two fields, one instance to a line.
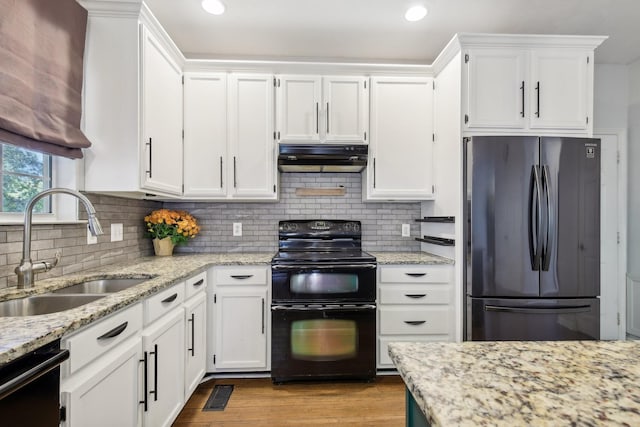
x=219, y=397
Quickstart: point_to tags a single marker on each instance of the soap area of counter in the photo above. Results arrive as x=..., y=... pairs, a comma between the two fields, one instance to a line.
x=513, y=383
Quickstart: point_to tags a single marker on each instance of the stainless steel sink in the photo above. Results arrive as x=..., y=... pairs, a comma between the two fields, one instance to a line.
x=101, y=286
x=44, y=304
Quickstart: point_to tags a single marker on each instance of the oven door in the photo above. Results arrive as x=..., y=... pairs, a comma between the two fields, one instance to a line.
x=323, y=342
x=335, y=283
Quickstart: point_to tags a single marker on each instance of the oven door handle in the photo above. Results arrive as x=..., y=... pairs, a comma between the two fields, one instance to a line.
x=33, y=373
x=322, y=267
x=360, y=307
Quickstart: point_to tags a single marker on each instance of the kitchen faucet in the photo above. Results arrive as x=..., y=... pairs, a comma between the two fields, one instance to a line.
x=26, y=270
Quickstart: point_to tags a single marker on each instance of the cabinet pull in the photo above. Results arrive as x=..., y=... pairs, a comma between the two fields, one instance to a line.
x=155, y=373
x=235, y=181
x=415, y=322
x=415, y=296
x=114, y=332
x=150, y=156
x=538, y=99
x=241, y=276
x=416, y=274
x=374, y=172
x=145, y=401
x=327, y=117
x=172, y=298
x=221, y=182
x=262, y=316
x=198, y=283
x=317, y=118
x=522, y=90
x=193, y=335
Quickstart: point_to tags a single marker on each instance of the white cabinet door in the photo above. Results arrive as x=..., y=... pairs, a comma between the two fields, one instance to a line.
x=299, y=108
x=496, y=87
x=161, y=148
x=205, y=134
x=560, y=88
x=195, y=341
x=346, y=109
x=163, y=345
x=400, y=159
x=241, y=328
x=252, y=147
x=107, y=393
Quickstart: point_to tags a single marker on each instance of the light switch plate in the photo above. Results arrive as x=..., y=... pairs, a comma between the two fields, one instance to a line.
x=116, y=232
x=237, y=229
x=91, y=239
x=406, y=230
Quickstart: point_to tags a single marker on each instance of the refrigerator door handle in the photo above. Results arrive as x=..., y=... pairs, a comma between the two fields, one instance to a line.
x=546, y=251
x=535, y=216
x=540, y=310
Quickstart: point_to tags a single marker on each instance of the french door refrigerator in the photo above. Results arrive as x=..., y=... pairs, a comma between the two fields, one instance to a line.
x=532, y=238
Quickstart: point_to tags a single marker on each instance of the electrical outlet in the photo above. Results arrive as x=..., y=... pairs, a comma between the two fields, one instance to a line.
x=406, y=230
x=116, y=232
x=237, y=229
x=91, y=239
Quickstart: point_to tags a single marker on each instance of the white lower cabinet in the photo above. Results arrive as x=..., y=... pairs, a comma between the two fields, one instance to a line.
x=414, y=304
x=195, y=310
x=138, y=366
x=240, y=305
x=162, y=344
x=100, y=383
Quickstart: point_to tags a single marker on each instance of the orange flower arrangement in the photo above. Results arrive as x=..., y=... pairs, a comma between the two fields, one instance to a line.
x=180, y=226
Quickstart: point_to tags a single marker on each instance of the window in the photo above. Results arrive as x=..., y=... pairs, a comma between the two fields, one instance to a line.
x=23, y=174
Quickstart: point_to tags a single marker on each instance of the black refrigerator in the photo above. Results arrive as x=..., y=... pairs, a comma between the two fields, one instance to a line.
x=532, y=238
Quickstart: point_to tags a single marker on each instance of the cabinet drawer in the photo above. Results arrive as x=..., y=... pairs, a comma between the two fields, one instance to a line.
x=414, y=320
x=383, y=345
x=414, y=294
x=96, y=339
x=241, y=276
x=163, y=302
x=195, y=284
x=415, y=274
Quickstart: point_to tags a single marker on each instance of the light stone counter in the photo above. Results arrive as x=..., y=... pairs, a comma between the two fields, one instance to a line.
x=560, y=383
x=19, y=335
x=409, y=258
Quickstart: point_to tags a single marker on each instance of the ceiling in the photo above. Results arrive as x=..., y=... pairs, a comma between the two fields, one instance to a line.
x=376, y=31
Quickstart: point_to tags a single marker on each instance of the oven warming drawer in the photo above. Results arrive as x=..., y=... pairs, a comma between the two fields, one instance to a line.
x=318, y=342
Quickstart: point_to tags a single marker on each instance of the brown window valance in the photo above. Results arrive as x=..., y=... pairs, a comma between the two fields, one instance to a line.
x=41, y=51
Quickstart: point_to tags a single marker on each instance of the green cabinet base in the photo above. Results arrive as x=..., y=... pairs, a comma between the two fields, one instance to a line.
x=414, y=415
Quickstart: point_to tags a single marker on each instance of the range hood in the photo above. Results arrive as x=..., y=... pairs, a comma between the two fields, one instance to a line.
x=322, y=157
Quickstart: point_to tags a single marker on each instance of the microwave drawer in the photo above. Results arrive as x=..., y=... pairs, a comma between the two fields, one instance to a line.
x=414, y=321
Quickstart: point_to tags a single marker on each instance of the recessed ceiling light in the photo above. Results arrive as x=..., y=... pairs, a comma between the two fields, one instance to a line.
x=214, y=7
x=415, y=13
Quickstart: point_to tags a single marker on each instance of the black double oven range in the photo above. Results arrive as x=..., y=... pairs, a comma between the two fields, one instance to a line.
x=323, y=303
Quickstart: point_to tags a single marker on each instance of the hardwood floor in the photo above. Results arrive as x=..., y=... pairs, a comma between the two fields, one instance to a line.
x=257, y=402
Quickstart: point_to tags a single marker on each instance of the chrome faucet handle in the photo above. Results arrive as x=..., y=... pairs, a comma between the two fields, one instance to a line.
x=50, y=264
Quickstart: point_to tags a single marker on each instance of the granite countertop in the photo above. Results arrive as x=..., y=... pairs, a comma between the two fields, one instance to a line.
x=409, y=258
x=19, y=335
x=518, y=383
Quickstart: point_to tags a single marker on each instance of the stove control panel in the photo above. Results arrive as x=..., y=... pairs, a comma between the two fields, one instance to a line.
x=320, y=227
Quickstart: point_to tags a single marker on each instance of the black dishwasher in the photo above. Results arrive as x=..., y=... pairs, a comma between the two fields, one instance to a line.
x=30, y=388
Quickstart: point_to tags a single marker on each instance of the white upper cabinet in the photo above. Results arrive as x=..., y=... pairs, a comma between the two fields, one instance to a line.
x=229, y=149
x=496, y=80
x=252, y=153
x=132, y=105
x=161, y=81
x=528, y=89
x=205, y=134
x=322, y=109
x=400, y=151
x=562, y=88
